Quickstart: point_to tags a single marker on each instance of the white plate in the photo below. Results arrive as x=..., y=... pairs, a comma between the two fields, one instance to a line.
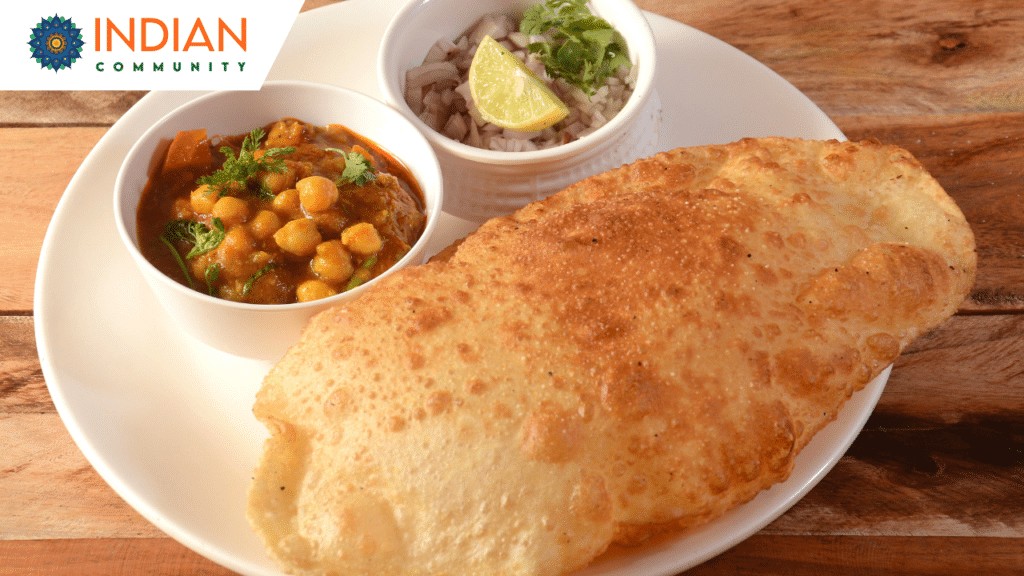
x=167, y=422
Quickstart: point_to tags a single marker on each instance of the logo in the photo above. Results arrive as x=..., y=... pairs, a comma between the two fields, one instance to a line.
x=55, y=43
x=123, y=45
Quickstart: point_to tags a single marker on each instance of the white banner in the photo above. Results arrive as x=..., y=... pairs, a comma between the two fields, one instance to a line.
x=118, y=45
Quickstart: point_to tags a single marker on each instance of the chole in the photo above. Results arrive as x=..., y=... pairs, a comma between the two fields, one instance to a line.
x=638, y=353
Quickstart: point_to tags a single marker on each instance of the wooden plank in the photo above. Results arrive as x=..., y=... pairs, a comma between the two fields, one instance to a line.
x=90, y=557
x=768, y=555
x=971, y=367
x=943, y=452
x=902, y=477
x=65, y=108
x=759, y=555
x=22, y=389
x=40, y=464
x=311, y=4
x=32, y=185
x=49, y=490
x=929, y=56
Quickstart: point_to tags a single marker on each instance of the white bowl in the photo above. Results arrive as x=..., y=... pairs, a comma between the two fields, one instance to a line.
x=481, y=183
x=265, y=331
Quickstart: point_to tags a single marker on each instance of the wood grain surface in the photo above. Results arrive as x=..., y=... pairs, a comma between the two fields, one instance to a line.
x=933, y=485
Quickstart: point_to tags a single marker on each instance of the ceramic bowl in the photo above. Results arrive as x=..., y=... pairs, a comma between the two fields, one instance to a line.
x=255, y=330
x=482, y=183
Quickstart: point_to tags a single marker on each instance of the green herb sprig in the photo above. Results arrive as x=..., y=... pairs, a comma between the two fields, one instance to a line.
x=240, y=172
x=358, y=169
x=211, y=274
x=203, y=240
x=251, y=281
x=585, y=49
x=362, y=274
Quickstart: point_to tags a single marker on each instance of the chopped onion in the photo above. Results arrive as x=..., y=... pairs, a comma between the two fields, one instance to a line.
x=425, y=74
x=456, y=128
x=438, y=92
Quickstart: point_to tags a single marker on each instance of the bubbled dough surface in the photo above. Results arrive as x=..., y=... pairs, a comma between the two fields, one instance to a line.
x=641, y=352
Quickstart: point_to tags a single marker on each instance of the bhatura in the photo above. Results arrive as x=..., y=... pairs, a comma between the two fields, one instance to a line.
x=636, y=354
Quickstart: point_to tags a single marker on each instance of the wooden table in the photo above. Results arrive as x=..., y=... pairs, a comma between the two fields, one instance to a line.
x=933, y=485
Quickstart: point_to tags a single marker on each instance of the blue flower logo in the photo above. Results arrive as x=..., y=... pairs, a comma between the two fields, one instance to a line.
x=56, y=42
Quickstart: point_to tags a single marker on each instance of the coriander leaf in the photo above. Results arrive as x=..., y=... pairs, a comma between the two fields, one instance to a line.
x=207, y=239
x=539, y=18
x=358, y=169
x=177, y=258
x=362, y=274
x=256, y=276
x=583, y=49
x=203, y=239
x=212, y=273
x=180, y=230
x=240, y=172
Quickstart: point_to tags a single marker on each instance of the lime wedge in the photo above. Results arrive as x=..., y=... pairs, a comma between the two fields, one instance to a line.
x=510, y=95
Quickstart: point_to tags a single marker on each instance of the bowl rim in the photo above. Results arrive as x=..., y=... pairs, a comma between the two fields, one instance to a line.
x=643, y=48
x=433, y=212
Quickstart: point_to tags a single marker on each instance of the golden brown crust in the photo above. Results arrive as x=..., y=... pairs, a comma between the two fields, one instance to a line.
x=640, y=352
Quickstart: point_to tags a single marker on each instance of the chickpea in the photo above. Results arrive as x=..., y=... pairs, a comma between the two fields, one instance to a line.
x=203, y=198
x=300, y=237
x=286, y=204
x=362, y=239
x=332, y=262
x=313, y=290
x=264, y=224
x=259, y=259
x=199, y=264
x=317, y=193
x=279, y=181
x=232, y=211
x=234, y=252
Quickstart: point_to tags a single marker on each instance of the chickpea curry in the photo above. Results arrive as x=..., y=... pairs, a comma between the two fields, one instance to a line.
x=290, y=212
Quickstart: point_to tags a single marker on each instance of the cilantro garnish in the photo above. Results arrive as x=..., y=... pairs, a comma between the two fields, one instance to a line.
x=358, y=169
x=585, y=50
x=212, y=273
x=362, y=274
x=240, y=172
x=256, y=276
x=202, y=238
